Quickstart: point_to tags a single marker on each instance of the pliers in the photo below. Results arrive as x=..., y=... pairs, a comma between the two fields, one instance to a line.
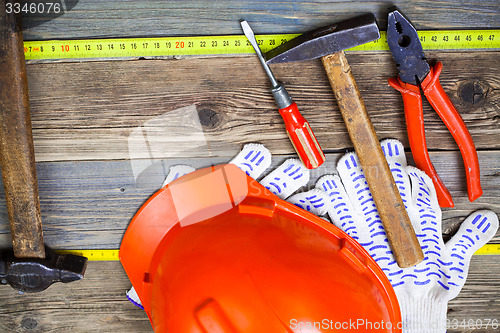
x=415, y=73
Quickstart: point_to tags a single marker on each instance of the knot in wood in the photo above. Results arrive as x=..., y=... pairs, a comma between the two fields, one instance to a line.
x=209, y=118
x=473, y=91
x=29, y=323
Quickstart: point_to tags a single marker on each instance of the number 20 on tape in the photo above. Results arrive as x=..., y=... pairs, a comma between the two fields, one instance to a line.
x=237, y=44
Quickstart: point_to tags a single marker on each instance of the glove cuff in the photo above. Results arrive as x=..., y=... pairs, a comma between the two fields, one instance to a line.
x=423, y=314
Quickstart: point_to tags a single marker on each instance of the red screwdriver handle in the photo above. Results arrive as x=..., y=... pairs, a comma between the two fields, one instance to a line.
x=302, y=137
x=440, y=101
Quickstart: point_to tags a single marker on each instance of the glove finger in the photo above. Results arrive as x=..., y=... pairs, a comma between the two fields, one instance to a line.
x=314, y=201
x=475, y=231
x=394, y=151
x=287, y=178
x=341, y=211
x=396, y=159
x=177, y=171
x=359, y=194
x=428, y=213
x=355, y=184
x=424, y=202
x=253, y=159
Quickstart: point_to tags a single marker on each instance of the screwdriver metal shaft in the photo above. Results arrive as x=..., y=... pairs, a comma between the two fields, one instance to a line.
x=297, y=127
x=251, y=38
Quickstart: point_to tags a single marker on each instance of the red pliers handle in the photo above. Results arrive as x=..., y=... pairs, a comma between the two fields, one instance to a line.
x=446, y=110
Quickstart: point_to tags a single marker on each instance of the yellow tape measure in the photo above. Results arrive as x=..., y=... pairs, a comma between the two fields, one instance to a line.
x=112, y=255
x=237, y=44
x=94, y=255
x=489, y=249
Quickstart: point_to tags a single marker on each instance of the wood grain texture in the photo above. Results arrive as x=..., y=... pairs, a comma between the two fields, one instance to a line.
x=97, y=303
x=397, y=224
x=479, y=298
x=84, y=114
x=116, y=18
x=88, y=204
x=88, y=111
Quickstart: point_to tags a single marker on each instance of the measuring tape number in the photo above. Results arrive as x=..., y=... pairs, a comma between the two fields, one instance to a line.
x=236, y=44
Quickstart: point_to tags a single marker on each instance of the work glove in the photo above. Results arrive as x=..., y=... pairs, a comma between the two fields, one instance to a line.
x=423, y=290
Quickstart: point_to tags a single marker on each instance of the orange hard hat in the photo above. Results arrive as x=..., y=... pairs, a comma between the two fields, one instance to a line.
x=214, y=251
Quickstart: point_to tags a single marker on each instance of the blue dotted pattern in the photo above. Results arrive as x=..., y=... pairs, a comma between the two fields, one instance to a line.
x=251, y=160
x=310, y=201
x=442, y=268
x=287, y=174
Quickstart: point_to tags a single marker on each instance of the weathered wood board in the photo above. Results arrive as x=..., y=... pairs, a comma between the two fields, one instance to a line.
x=106, y=132
x=98, y=303
x=88, y=111
x=116, y=18
x=89, y=204
x=89, y=192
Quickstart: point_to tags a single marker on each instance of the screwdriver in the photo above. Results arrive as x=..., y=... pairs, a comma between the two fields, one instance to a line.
x=297, y=127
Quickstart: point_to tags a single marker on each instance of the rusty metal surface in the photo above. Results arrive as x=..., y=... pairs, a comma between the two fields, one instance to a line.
x=328, y=40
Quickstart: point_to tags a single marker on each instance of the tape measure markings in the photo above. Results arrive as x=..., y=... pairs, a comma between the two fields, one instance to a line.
x=233, y=44
x=139, y=47
x=94, y=255
x=458, y=39
x=112, y=255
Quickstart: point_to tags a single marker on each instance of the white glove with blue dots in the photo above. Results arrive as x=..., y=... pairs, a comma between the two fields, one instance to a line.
x=423, y=290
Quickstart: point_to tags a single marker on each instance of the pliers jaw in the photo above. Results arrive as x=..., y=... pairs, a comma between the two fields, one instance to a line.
x=406, y=49
x=415, y=76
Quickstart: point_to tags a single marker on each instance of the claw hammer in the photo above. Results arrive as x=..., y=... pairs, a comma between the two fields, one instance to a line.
x=328, y=44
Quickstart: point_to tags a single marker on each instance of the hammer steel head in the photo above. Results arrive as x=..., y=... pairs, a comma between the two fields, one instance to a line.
x=335, y=38
x=35, y=275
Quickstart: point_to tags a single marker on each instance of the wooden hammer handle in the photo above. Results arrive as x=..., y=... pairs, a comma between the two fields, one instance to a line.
x=397, y=225
x=17, y=156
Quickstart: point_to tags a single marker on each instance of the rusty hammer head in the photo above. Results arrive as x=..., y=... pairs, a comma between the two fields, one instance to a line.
x=335, y=38
x=33, y=275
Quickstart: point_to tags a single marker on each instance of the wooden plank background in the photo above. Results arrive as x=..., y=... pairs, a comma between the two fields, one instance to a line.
x=117, y=18
x=86, y=117
x=98, y=303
